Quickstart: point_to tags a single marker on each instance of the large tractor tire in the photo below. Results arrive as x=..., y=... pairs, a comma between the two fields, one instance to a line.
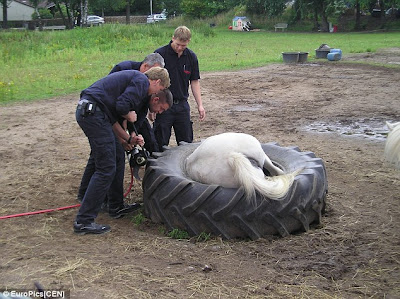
x=171, y=198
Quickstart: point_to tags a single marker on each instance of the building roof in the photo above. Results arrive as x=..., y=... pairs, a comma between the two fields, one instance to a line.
x=24, y=2
x=42, y=4
x=237, y=18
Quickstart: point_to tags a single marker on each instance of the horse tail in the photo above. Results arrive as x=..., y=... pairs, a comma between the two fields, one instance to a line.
x=249, y=177
x=392, y=145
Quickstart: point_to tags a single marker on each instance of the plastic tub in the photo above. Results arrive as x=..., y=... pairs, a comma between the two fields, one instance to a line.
x=322, y=53
x=294, y=57
x=303, y=56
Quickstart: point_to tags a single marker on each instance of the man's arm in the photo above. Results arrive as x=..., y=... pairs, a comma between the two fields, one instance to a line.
x=195, y=86
x=122, y=136
x=127, y=141
x=131, y=116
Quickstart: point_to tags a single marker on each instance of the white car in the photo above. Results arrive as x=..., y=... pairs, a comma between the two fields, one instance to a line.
x=156, y=18
x=391, y=11
x=94, y=20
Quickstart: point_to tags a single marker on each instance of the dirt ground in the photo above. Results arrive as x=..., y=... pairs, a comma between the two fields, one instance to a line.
x=355, y=253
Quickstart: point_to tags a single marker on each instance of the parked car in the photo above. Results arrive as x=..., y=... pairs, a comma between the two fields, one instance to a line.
x=94, y=20
x=391, y=11
x=156, y=18
x=376, y=12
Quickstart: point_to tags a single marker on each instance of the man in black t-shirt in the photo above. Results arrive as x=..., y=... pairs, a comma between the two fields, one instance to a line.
x=183, y=69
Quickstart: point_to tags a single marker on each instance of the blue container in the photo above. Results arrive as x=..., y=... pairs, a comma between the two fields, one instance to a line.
x=336, y=51
x=334, y=56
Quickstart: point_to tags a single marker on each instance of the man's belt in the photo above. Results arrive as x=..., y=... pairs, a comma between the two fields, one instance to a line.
x=88, y=105
x=176, y=101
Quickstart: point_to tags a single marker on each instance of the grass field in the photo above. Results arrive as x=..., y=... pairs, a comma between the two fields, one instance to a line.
x=38, y=65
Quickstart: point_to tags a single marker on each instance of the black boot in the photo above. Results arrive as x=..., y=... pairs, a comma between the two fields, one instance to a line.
x=123, y=210
x=92, y=228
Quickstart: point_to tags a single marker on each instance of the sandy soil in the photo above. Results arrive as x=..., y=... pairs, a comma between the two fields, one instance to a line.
x=353, y=254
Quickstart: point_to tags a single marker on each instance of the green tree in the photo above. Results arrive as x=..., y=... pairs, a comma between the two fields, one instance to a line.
x=369, y=5
x=35, y=5
x=44, y=14
x=275, y=8
x=392, y=4
x=320, y=10
x=271, y=8
x=4, y=4
x=65, y=18
x=173, y=7
x=100, y=6
x=201, y=9
x=357, y=25
x=194, y=8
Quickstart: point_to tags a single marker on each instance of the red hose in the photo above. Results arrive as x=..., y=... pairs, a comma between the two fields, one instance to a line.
x=62, y=208
x=39, y=212
x=130, y=185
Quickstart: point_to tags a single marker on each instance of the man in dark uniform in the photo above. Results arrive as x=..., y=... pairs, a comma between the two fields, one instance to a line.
x=102, y=107
x=144, y=128
x=183, y=68
x=153, y=59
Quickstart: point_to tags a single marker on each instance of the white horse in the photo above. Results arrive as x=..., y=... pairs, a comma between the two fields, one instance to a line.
x=392, y=146
x=235, y=160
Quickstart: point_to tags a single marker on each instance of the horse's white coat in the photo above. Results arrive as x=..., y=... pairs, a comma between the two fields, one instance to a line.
x=235, y=160
x=392, y=146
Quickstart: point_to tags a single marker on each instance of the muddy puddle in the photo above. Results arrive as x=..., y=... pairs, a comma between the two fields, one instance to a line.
x=374, y=129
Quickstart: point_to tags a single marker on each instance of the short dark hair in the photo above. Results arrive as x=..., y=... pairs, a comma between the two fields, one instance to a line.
x=165, y=95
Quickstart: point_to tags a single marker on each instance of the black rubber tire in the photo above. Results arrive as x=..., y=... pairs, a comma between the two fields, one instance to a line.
x=173, y=199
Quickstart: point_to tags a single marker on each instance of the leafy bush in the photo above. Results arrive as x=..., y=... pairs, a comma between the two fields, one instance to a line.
x=44, y=14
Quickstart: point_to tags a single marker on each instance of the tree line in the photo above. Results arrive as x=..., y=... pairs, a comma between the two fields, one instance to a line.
x=74, y=12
